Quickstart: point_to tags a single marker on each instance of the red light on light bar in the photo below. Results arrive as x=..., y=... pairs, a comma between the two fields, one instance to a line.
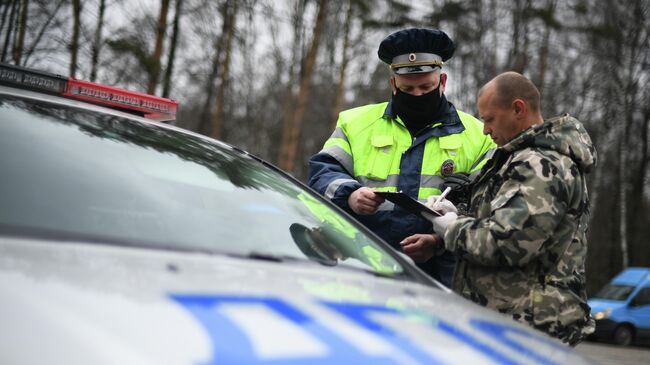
x=152, y=107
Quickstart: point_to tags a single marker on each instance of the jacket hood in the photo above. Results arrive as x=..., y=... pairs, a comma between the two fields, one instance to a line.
x=564, y=134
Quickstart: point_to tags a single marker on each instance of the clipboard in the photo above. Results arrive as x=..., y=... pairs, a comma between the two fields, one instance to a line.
x=407, y=203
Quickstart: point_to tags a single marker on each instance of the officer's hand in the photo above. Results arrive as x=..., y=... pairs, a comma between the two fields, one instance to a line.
x=422, y=247
x=444, y=206
x=364, y=201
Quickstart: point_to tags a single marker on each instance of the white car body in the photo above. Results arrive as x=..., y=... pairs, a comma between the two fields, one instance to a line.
x=77, y=303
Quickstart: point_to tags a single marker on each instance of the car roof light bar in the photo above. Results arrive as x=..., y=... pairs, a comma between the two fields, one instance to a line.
x=149, y=106
x=153, y=107
x=31, y=79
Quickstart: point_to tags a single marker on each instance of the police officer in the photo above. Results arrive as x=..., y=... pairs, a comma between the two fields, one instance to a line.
x=409, y=144
x=523, y=247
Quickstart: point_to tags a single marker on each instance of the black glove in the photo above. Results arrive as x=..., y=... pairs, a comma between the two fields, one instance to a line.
x=460, y=187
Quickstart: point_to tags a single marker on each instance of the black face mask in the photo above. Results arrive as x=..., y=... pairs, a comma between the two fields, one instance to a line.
x=418, y=112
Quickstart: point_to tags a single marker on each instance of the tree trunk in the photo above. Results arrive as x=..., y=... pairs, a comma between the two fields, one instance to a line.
x=339, y=96
x=255, y=129
x=97, y=42
x=623, y=203
x=636, y=142
x=74, y=46
x=544, y=49
x=5, y=11
x=523, y=54
x=10, y=28
x=289, y=98
x=495, y=40
x=154, y=72
x=217, y=117
x=518, y=58
x=639, y=182
x=18, y=47
x=14, y=40
x=288, y=161
x=205, y=125
x=172, y=50
x=516, y=32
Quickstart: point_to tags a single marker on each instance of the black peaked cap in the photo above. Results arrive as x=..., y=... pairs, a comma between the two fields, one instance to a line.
x=415, y=40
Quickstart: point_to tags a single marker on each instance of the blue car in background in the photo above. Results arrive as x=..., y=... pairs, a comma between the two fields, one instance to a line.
x=622, y=308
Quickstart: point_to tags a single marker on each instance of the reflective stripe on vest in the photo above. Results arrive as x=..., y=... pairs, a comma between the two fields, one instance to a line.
x=341, y=155
x=334, y=185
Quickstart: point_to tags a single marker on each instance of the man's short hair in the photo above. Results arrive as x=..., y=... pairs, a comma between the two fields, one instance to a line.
x=512, y=85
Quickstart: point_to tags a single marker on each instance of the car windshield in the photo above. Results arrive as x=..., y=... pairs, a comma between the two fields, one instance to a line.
x=94, y=176
x=615, y=292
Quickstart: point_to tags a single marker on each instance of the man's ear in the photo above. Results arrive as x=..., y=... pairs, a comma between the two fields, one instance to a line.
x=519, y=107
x=443, y=81
x=393, y=86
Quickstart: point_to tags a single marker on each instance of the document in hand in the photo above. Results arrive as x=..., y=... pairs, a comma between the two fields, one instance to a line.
x=407, y=203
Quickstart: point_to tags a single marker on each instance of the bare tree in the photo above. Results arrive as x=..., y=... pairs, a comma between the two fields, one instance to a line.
x=22, y=26
x=74, y=46
x=634, y=50
x=172, y=49
x=520, y=38
x=217, y=117
x=6, y=5
x=338, y=98
x=289, y=97
x=548, y=17
x=205, y=124
x=97, y=41
x=10, y=27
x=39, y=36
x=288, y=155
x=154, y=73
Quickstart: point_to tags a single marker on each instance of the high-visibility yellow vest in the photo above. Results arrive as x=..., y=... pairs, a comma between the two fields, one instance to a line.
x=370, y=145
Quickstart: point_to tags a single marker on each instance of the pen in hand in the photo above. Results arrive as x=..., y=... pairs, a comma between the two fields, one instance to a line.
x=441, y=197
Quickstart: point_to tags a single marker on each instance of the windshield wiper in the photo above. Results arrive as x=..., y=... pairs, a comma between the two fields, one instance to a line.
x=265, y=256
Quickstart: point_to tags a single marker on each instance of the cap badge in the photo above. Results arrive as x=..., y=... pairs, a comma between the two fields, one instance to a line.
x=447, y=168
x=412, y=57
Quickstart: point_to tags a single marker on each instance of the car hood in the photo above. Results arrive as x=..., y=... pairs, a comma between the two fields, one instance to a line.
x=598, y=305
x=76, y=303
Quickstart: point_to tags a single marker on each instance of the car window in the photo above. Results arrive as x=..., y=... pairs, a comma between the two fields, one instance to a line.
x=615, y=292
x=85, y=174
x=642, y=297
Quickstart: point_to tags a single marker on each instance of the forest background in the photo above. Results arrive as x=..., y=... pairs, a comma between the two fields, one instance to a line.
x=271, y=76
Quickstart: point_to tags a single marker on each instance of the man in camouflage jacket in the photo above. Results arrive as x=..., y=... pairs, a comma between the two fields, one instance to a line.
x=523, y=247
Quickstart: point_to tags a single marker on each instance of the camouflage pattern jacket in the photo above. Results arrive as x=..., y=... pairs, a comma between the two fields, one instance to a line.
x=523, y=248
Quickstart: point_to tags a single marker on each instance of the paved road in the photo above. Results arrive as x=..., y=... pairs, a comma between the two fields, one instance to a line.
x=607, y=354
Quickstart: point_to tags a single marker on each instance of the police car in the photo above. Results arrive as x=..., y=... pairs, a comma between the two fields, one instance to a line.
x=124, y=240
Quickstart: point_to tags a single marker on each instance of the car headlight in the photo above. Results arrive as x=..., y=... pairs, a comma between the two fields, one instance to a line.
x=603, y=314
